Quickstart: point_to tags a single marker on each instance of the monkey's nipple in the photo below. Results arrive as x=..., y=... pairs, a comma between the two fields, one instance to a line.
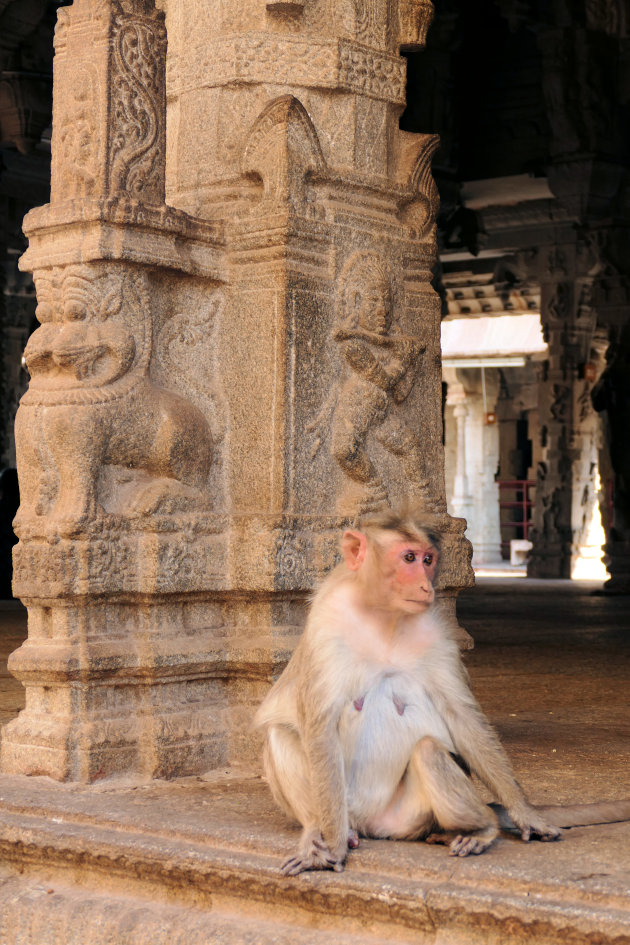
x=358, y=703
x=400, y=705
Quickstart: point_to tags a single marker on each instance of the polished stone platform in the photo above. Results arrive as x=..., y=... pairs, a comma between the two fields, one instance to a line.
x=196, y=860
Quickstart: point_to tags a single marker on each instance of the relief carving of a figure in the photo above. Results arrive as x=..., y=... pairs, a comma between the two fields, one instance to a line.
x=381, y=367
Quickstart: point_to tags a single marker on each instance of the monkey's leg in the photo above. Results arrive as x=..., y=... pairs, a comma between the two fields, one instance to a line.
x=435, y=791
x=455, y=803
x=286, y=770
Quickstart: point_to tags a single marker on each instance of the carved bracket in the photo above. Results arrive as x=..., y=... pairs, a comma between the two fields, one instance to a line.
x=282, y=148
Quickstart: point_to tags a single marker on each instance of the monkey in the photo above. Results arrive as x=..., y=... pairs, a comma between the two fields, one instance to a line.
x=373, y=730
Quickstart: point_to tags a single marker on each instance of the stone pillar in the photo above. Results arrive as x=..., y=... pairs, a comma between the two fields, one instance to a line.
x=611, y=398
x=475, y=494
x=116, y=432
x=462, y=499
x=565, y=487
x=215, y=396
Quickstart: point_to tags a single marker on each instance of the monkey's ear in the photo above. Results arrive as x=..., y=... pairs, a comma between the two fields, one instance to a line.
x=354, y=547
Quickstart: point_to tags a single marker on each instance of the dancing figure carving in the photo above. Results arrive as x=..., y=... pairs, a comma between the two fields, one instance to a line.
x=382, y=365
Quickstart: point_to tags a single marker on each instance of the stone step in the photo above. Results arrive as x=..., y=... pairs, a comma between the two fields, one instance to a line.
x=57, y=913
x=152, y=865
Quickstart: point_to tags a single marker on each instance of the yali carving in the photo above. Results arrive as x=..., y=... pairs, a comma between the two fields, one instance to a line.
x=93, y=434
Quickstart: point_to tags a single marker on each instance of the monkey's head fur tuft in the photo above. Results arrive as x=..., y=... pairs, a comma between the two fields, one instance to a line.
x=413, y=522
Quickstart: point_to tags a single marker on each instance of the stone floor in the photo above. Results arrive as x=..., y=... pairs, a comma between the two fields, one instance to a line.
x=195, y=861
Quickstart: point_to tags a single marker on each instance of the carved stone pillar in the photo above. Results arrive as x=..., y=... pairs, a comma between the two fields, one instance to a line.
x=331, y=240
x=565, y=492
x=611, y=398
x=116, y=434
x=214, y=398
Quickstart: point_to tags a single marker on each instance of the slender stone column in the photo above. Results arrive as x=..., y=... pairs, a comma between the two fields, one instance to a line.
x=462, y=499
x=215, y=396
x=475, y=494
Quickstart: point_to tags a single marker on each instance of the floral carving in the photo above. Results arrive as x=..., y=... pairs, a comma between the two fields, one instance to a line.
x=109, y=108
x=137, y=108
x=293, y=562
x=184, y=359
x=77, y=146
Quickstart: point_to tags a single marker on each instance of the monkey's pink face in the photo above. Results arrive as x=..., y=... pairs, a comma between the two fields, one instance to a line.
x=409, y=568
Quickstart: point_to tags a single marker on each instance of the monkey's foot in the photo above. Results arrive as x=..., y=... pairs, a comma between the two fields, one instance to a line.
x=473, y=843
x=313, y=854
x=532, y=825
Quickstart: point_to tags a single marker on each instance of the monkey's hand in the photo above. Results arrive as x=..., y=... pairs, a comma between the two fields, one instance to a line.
x=531, y=824
x=313, y=854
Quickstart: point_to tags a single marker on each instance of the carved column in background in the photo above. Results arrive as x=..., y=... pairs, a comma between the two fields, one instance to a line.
x=462, y=499
x=565, y=497
x=584, y=87
x=204, y=416
x=611, y=398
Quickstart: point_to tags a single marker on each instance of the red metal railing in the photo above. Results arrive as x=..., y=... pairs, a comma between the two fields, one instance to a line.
x=515, y=495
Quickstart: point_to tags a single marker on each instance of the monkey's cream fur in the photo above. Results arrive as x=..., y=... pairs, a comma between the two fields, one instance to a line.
x=362, y=727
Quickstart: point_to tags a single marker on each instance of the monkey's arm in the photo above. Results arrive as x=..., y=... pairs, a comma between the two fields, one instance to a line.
x=479, y=746
x=326, y=767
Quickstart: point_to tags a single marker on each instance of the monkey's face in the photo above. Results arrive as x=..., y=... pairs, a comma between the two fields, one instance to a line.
x=408, y=570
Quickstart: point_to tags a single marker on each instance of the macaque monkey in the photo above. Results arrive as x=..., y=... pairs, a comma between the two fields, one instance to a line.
x=372, y=728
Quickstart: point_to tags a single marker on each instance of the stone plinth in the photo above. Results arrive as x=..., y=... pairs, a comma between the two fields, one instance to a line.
x=221, y=384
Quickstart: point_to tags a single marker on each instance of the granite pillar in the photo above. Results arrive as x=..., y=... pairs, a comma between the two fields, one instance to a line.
x=239, y=354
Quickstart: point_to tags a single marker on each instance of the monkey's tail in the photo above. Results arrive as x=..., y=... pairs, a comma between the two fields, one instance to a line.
x=573, y=815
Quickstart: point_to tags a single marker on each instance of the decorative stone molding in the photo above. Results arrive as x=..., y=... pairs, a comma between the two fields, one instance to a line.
x=281, y=148
x=257, y=58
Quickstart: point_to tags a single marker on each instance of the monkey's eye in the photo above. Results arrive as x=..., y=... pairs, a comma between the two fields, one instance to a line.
x=428, y=560
x=410, y=557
